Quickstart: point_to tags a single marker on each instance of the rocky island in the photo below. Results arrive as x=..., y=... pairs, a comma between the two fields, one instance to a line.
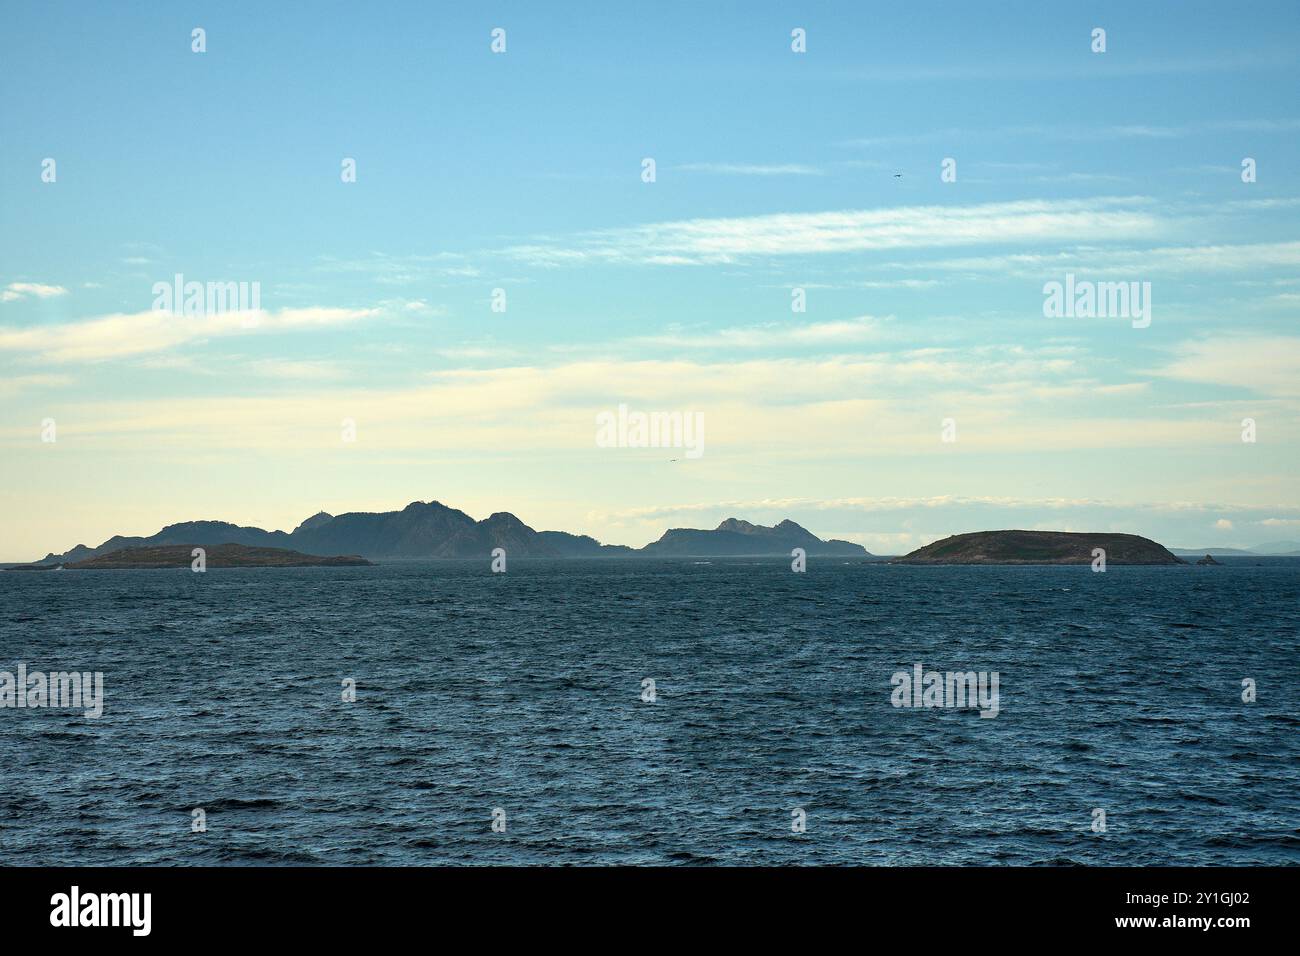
x=1040, y=547
x=217, y=556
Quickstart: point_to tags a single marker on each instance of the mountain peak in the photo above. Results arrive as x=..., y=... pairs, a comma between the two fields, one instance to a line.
x=432, y=505
x=738, y=525
x=315, y=521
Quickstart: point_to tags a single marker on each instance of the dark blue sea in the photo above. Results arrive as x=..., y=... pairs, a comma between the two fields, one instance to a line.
x=1119, y=692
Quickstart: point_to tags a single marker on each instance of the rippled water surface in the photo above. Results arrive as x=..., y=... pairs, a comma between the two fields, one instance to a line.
x=1120, y=691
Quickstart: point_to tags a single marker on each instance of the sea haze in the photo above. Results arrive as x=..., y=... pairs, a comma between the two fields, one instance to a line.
x=1119, y=691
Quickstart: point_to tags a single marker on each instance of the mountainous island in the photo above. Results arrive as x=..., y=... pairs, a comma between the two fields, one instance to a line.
x=434, y=530
x=740, y=538
x=1040, y=547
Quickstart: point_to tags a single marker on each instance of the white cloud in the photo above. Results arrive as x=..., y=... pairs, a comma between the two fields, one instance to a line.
x=1143, y=262
x=696, y=241
x=17, y=290
x=296, y=371
x=17, y=384
x=758, y=406
x=751, y=169
x=124, y=335
x=772, y=335
x=1262, y=364
x=1072, y=132
x=404, y=269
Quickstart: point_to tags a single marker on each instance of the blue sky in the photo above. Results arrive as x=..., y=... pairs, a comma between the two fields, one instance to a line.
x=775, y=170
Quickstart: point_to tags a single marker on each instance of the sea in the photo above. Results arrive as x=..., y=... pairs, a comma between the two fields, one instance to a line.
x=656, y=711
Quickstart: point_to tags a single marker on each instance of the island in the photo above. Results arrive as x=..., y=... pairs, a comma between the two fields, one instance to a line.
x=1209, y=559
x=1040, y=547
x=738, y=538
x=216, y=556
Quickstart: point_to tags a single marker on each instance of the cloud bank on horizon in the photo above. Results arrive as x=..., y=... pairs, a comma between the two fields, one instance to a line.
x=826, y=232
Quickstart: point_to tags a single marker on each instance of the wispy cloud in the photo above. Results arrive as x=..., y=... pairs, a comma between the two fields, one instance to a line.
x=124, y=335
x=403, y=269
x=832, y=333
x=698, y=241
x=1006, y=397
x=1228, y=257
x=1257, y=363
x=302, y=371
x=751, y=169
x=1072, y=132
x=18, y=384
x=18, y=290
x=1015, y=68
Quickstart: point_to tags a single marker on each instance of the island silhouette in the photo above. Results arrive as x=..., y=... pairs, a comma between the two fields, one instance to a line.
x=424, y=530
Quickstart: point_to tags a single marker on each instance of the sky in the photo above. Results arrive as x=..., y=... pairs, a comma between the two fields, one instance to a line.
x=503, y=270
